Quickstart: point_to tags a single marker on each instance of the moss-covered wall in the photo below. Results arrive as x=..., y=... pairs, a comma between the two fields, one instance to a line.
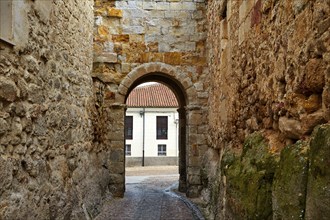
x=318, y=187
x=249, y=178
x=289, y=186
x=259, y=183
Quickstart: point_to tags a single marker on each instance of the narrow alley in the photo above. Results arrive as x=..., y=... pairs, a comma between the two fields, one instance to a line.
x=149, y=195
x=248, y=123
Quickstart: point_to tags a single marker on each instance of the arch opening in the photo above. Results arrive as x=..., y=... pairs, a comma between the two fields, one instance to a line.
x=181, y=97
x=159, y=77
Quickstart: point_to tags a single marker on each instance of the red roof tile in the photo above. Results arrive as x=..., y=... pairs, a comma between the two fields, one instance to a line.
x=155, y=95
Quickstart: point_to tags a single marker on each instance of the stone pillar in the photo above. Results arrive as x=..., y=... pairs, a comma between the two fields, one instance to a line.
x=182, y=150
x=114, y=137
x=194, y=144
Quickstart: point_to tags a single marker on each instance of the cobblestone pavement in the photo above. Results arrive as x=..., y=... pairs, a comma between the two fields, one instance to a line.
x=148, y=197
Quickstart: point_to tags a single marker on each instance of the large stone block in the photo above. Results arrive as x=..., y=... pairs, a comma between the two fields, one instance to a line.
x=249, y=178
x=162, y=6
x=318, y=190
x=103, y=33
x=4, y=126
x=117, y=155
x=106, y=58
x=190, y=59
x=290, y=182
x=173, y=58
x=117, y=167
x=120, y=38
x=291, y=128
x=195, y=118
x=8, y=89
x=193, y=191
x=313, y=79
x=6, y=175
x=134, y=29
x=189, y=6
x=114, y=12
x=194, y=179
x=106, y=74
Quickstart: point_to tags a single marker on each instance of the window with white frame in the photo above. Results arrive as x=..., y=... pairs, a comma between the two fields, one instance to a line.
x=161, y=149
x=128, y=150
x=161, y=126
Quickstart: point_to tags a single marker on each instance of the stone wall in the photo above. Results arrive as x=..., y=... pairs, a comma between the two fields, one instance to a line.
x=62, y=130
x=269, y=69
x=129, y=33
x=49, y=167
x=135, y=40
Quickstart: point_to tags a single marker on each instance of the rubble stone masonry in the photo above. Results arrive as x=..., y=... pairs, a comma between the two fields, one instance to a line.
x=269, y=65
x=49, y=168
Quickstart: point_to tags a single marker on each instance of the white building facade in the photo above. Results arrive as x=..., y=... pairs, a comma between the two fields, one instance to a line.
x=151, y=132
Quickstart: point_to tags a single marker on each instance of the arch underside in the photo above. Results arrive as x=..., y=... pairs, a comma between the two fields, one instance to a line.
x=162, y=78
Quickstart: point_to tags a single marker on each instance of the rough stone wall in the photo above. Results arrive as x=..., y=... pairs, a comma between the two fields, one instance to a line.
x=135, y=38
x=49, y=167
x=269, y=68
x=270, y=60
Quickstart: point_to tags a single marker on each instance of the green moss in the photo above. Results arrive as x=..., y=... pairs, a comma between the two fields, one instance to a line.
x=249, y=178
x=295, y=185
x=290, y=182
x=318, y=188
x=214, y=186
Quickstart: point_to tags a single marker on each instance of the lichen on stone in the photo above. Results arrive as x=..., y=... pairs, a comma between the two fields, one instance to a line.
x=290, y=182
x=249, y=178
x=318, y=188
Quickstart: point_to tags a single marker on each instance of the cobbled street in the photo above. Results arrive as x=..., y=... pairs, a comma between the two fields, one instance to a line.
x=149, y=195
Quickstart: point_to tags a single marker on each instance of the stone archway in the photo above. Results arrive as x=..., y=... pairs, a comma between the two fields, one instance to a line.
x=169, y=74
x=161, y=73
x=189, y=114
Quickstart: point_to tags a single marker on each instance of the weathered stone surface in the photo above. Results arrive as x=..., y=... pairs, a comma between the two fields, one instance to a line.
x=318, y=188
x=310, y=121
x=6, y=175
x=268, y=72
x=106, y=58
x=114, y=12
x=4, y=126
x=249, y=180
x=290, y=182
x=107, y=75
x=291, y=128
x=311, y=82
x=48, y=165
x=8, y=89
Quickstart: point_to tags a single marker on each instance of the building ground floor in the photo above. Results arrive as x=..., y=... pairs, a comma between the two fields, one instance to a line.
x=151, y=161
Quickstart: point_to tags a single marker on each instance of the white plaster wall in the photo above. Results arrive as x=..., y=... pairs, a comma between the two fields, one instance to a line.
x=151, y=143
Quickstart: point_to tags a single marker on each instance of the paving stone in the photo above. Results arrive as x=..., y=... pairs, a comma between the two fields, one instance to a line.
x=148, y=197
